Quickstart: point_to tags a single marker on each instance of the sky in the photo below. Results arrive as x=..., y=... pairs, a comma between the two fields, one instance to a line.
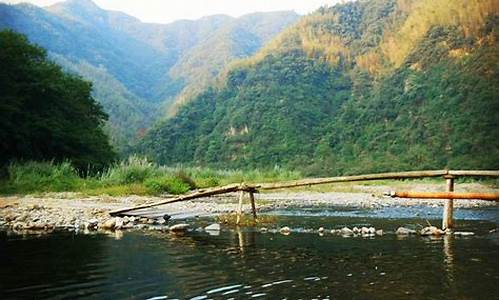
x=165, y=11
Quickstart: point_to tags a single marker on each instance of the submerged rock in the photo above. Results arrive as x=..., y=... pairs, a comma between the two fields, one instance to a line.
x=463, y=233
x=405, y=231
x=346, y=231
x=213, y=227
x=285, y=230
x=179, y=227
x=431, y=230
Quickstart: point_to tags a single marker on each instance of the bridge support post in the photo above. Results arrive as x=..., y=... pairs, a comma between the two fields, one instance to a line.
x=240, y=207
x=254, y=210
x=448, y=205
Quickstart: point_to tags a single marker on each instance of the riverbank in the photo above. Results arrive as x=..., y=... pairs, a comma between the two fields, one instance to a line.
x=75, y=211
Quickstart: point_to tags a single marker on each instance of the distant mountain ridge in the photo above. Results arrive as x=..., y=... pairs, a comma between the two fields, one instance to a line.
x=364, y=86
x=139, y=69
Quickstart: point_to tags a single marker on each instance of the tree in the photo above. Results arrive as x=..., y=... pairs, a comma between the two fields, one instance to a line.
x=46, y=113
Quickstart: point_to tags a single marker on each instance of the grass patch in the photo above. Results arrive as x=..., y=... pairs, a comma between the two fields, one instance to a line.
x=247, y=220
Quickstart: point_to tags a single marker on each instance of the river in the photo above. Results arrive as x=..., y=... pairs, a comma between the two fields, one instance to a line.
x=249, y=264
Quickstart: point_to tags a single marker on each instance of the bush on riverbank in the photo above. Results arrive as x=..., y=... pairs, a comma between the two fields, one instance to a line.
x=135, y=176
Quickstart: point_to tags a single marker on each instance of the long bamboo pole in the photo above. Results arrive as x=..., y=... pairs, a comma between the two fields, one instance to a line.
x=197, y=194
x=446, y=195
x=378, y=176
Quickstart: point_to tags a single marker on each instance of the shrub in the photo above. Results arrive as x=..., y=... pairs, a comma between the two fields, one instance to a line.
x=134, y=169
x=42, y=177
x=173, y=185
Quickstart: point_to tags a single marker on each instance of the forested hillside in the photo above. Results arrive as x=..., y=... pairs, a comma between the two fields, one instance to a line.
x=140, y=69
x=363, y=86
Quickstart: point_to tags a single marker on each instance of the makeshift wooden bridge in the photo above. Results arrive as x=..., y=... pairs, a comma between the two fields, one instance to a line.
x=449, y=195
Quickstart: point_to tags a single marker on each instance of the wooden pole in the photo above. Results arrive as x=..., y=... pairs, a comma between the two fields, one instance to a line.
x=196, y=194
x=448, y=205
x=254, y=211
x=240, y=208
x=446, y=195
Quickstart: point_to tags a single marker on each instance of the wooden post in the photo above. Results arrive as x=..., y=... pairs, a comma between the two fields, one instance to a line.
x=254, y=211
x=448, y=205
x=240, y=208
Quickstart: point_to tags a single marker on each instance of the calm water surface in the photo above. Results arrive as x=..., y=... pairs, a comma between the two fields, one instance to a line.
x=251, y=265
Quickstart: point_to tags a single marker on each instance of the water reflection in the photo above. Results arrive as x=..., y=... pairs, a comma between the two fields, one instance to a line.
x=245, y=264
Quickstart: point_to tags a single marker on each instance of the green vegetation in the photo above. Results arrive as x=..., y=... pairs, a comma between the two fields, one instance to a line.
x=135, y=176
x=360, y=87
x=139, y=69
x=45, y=113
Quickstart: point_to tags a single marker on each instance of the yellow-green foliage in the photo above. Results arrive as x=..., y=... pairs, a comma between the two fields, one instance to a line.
x=468, y=15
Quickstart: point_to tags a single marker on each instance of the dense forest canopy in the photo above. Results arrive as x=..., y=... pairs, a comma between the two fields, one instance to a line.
x=364, y=86
x=46, y=113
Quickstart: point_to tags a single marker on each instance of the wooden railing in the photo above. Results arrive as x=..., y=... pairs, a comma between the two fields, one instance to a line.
x=243, y=188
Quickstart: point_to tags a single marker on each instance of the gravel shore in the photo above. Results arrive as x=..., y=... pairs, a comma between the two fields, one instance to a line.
x=74, y=211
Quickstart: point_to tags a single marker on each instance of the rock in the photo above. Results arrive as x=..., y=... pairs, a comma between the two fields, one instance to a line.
x=371, y=230
x=285, y=230
x=365, y=230
x=179, y=227
x=166, y=217
x=125, y=220
x=213, y=227
x=108, y=224
x=18, y=225
x=321, y=230
x=263, y=229
x=118, y=223
x=379, y=232
x=431, y=230
x=405, y=231
x=356, y=230
x=335, y=231
x=143, y=220
x=91, y=224
x=132, y=219
x=463, y=233
x=151, y=221
x=128, y=226
x=346, y=231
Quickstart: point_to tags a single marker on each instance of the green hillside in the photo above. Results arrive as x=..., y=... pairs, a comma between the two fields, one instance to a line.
x=364, y=86
x=139, y=69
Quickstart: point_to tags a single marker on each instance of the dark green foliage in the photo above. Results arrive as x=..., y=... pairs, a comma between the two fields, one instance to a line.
x=325, y=100
x=46, y=114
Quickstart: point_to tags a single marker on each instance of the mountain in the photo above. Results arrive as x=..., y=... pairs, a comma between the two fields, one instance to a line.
x=363, y=86
x=139, y=69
